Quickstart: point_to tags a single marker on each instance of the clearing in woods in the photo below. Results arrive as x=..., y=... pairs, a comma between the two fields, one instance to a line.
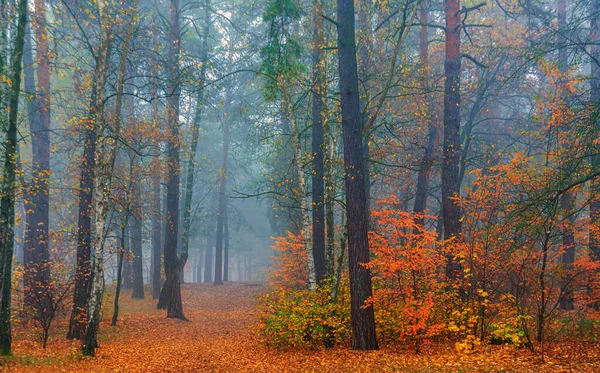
x=219, y=338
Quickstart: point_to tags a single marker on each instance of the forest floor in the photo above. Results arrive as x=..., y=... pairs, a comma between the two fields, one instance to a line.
x=219, y=338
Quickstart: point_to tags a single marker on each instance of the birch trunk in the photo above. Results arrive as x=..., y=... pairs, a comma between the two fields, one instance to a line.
x=105, y=156
x=289, y=113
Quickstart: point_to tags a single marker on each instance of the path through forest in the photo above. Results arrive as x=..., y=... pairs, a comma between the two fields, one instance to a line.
x=219, y=338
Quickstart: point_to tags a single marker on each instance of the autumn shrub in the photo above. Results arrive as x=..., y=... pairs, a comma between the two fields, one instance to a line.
x=515, y=278
x=38, y=305
x=407, y=275
x=293, y=316
x=288, y=269
x=305, y=318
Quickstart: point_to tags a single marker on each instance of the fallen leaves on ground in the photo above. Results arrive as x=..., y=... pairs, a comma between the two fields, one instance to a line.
x=218, y=338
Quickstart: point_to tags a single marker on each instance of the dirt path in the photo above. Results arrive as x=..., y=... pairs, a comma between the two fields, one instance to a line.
x=218, y=338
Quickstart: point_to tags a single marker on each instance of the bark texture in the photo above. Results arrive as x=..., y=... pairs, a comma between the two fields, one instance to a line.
x=363, y=318
x=318, y=184
x=7, y=201
x=451, y=157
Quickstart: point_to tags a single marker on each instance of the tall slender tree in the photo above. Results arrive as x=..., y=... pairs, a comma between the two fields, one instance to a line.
x=568, y=198
x=7, y=200
x=170, y=297
x=222, y=191
x=105, y=155
x=363, y=317
x=318, y=91
x=189, y=189
x=428, y=158
x=136, y=232
x=451, y=146
x=36, y=255
x=594, y=239
x=282, y=66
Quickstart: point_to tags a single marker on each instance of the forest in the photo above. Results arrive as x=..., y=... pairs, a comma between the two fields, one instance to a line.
x=300, y=185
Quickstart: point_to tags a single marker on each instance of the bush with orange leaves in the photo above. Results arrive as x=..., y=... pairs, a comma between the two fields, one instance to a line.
x=288, y=269
x=407, y=267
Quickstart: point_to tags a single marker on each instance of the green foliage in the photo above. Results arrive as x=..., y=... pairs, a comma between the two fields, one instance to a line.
x=281, y=54
x=304, y=318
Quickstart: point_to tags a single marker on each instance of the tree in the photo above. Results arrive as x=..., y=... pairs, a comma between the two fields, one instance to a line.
x=156, y=234
x=105, y=155
x=451, y=146
x=189, y=189
x=7, y=201
x=136, y=231
x=595, y=104
x=568, y=199
x=83, y=266
x=363, y=318
x=170, y=297
x=281, y=66
x=318, y=92
x=222, y=215
x=36, y=256
x=422, y=188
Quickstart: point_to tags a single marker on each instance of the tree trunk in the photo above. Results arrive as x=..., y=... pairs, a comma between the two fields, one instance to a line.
x=568, y=198
x=127, y=270
x=222, y=193
x=119, y=272
x=364, y=36
x=291, y=117
x=595, y=103
x=83, y=269
x=363, y=318
x=318, y=91
x=105, y=155
x=136, y=234
x=36, y=255
x=189, y=190
x=422, y=189
x=7, y=201
x=225, y=244
x=210, y=238
x=156, y=235
x=83, y=266
x=35, y=258
x=450, y=166
x=172, y=287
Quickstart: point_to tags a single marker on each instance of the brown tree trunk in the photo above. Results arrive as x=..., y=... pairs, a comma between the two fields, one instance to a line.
x=318, y=92
x=7, y=200
x=222, y=194
x=172, y=287
x=115, y=316
x=226, y=244
x=36, y=255
x=189, y=190
x=363, y=318
x=127, y=270
x=35, y=248
x=364, y=39
x=210, y=242
x=136, y=234
x=595, y=103
x=568, y=198
x=422, y=189
x=156, y=235
x=450, y=165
